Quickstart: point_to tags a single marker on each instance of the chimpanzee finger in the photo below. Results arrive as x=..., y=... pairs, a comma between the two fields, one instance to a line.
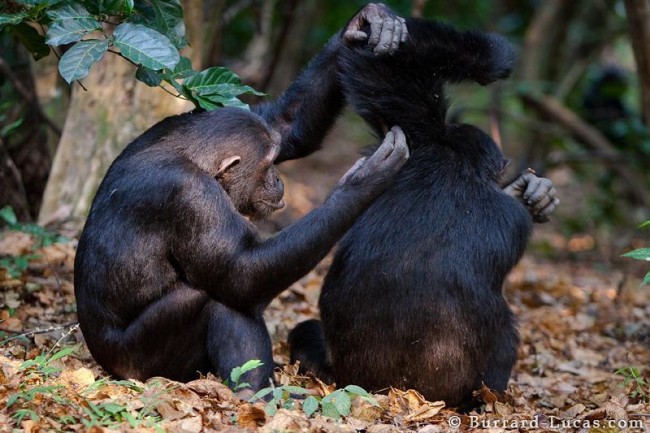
x=542, y=216
x=353, y=170
x=541, y=204
x=386, y=37
x=386, y=147
x=405, y=30
x=400, y=142
x=376, y=25
x=397, y=33
x=355, y=36
x=537, y=188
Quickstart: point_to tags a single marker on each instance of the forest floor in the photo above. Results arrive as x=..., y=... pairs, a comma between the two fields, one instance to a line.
x=583, y=362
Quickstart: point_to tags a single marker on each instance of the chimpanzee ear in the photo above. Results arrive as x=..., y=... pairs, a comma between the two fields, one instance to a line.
x=227, y=164
x=505, y=163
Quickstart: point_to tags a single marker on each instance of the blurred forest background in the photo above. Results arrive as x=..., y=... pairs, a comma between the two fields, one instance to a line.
x=573, y=109
x=576, y=110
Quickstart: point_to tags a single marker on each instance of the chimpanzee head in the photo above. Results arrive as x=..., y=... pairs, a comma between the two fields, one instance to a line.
x=245, y=169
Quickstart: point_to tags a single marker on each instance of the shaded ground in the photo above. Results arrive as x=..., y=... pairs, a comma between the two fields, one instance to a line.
x=580, y=324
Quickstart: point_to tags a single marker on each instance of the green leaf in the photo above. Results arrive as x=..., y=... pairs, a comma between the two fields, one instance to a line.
x=148, y=77
x=639, y=254
x=41, y=3
x=169, y=21
x=12, y=19
x=7, y=214
x=218, y=80
x=310, y=405
x=62, y=353
x=356, y=390
x=645, y=224
x=329, y=410
x=212, y=102
x=32, y=40
x=77, y=61
x=261, y=393
x=8, y=129
x=183, y=69
x=296, y=390
x=113, y=408
x=646, y=279
x=70, y=23
x=124, y=6
x=251, y=365
x=342, y=403
x=242, y=386
x=145, y=46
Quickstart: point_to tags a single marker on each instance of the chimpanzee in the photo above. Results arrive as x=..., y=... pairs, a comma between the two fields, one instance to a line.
x=413, y=298
x=170, y=278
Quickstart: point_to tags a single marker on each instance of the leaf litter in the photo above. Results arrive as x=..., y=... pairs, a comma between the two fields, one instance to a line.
x=583, y=363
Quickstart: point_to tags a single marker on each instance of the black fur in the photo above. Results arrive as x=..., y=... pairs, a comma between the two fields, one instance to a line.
x=414, y=296
x=170, y=279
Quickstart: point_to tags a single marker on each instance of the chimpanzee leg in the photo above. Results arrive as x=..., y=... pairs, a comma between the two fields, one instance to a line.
x=502, y=359
x=162, y=341
x=234, y=338
x=307, y=345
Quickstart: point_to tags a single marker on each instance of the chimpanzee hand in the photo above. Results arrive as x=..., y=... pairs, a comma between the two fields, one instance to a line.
x=387, y=30
x=537, y=193
x=381, y=165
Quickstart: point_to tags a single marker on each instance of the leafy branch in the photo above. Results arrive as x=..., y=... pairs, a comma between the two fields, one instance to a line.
x=147, y=33
x=641, y=254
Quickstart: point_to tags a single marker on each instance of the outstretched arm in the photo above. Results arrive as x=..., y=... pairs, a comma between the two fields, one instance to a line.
x=308, y=108
x=536, y=193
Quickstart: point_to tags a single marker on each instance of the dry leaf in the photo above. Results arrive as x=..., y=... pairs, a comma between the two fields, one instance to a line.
x=250, y=416
x=412, y=405
x=77, y=379
x=212, y=388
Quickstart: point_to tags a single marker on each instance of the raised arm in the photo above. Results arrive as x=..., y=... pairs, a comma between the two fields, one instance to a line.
x=306, y=111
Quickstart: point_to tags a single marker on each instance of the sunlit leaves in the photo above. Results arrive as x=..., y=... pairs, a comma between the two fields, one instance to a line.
x=70, y=23
x=218, y=87
x=77, y=61
x=145, y=46
x=148, y=33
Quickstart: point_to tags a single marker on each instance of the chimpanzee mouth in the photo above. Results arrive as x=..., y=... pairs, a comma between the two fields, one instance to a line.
x=274, y=206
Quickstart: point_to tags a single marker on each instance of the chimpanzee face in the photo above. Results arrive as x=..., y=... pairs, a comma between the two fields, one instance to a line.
x=268, y=192
x=251, y=180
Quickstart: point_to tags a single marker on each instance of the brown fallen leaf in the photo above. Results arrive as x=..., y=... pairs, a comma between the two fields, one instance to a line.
x=212, y=388
x=412, y=405
x=77, y=379
x=250, y=416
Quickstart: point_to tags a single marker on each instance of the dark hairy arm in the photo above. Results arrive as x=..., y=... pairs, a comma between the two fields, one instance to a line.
x=306, y=111
x=220, y=253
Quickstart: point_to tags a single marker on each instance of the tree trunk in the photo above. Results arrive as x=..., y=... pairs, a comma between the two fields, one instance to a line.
x=100, y=122
x=638, y=15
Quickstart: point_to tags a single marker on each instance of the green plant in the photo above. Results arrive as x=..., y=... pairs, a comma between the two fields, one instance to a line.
x=281, y=397
x=641, y=254
x=639, y=384
x=42, y=237
x=335, y=405
x=147, y=33
x=238, y=372
x=16, y=266
x=41, y=366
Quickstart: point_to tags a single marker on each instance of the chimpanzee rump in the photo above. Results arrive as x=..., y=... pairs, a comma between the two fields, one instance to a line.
x=413, y=298
x=171, y=279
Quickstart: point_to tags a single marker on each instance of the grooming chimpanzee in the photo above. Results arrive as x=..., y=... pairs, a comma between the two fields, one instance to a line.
x=170, y=278
x=413, y=298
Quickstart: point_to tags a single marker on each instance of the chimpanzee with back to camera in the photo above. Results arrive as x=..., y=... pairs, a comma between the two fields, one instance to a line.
x=413, y=298
x=170, y=278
